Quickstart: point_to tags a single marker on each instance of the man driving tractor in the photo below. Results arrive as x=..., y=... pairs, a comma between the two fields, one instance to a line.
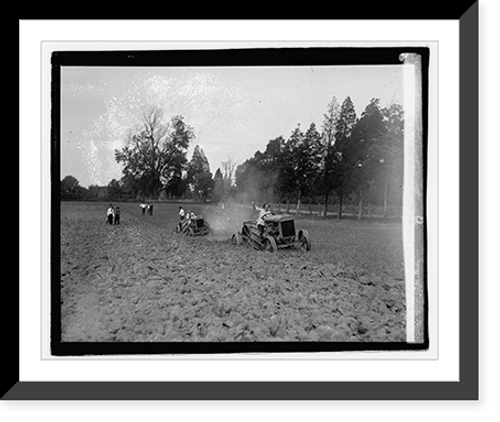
x=264, y=212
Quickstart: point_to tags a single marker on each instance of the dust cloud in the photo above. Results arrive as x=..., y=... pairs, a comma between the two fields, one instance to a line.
x=228, y=219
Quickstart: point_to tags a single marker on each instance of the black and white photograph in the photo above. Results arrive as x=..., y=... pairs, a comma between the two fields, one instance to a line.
x=240, y=207
x=214, y=212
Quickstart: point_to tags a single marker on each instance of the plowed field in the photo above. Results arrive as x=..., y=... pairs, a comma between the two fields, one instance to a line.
x=139, y=281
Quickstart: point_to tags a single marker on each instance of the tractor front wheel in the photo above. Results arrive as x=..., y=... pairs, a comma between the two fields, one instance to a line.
x=237, y=239
x=305, y=241
x=270, y=244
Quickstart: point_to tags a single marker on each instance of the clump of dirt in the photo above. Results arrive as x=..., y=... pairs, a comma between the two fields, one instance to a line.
x=137, y=282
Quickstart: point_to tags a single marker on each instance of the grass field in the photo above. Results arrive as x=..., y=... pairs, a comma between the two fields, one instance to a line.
x=140, y=281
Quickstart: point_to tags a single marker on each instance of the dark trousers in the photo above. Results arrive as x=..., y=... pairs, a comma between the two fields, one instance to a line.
x=117, y=218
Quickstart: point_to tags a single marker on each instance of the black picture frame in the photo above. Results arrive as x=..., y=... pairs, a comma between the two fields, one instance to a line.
x=464, y=389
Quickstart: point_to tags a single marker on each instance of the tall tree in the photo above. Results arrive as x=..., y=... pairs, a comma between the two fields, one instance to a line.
x=155, y=152
x=199, y=175
x=290, y=168
x=301, y=164
x=328, y=137
x=310, y=159
x=205, y=185
x=218, y=190
x=343, y=160
x=270, y=164
x=365, y=147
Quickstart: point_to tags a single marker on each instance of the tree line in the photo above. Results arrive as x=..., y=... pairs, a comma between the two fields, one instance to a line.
x=348, y=160
x=156, y=166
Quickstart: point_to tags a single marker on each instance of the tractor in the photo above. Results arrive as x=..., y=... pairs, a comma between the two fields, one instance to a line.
x=279, y=232
x=193, y=226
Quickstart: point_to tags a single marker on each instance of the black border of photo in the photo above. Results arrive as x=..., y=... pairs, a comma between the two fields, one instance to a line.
x=318, y=56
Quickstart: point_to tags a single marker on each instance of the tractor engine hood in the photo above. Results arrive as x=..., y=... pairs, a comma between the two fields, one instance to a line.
x=278, y=218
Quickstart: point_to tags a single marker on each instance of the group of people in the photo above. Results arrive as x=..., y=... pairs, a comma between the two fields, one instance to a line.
x=185, y=216
x=113, y=215
x=146, y=207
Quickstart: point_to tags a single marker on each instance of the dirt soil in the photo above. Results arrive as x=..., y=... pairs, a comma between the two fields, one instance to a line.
x=139, y=281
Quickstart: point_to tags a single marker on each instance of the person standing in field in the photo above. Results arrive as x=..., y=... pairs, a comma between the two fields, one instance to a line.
x=110, y=214
x=150, y=208
x=143, y=207
x=117, y=215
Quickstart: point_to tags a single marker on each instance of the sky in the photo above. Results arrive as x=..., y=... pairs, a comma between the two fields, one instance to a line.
x=234, y=111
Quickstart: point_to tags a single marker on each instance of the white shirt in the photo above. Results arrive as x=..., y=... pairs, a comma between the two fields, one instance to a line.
x=262, y=214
